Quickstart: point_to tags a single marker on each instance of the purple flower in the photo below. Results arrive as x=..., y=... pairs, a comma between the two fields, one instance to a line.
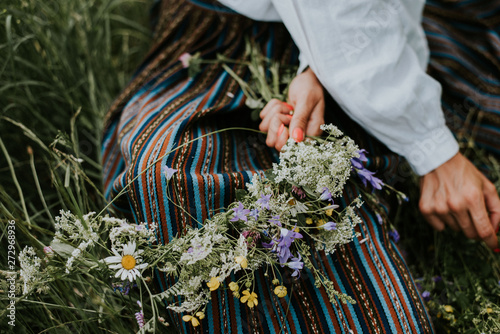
x=169, y=172
x=263, y=201
x=330, y=226
x=436, y=279
x=240, y=213
x=366, y=176
x=358, y=162
x=124, y=288
x=139, y=316
x=426, y=295
x=299, y=192
x=275, y=220
x=296, y=265
x=254, y=213
x=284, y=243
x=326, y=195
x=394, y=235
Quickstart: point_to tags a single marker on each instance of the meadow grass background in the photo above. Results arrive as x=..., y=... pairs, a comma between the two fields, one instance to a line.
x=62, y=62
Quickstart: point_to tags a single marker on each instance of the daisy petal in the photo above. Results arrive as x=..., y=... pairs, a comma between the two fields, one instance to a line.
x=119, y=272
x=116, y=266
x=124, y=274
x=113, y=259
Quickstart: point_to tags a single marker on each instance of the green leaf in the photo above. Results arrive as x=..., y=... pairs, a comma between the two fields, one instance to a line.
x=241, y=194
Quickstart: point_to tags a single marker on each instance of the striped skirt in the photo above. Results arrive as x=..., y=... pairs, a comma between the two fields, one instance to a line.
x=163, y=108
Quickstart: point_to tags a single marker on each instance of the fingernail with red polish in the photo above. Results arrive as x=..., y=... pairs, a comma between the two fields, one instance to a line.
x=280, y=130
x=497, y=250
x=298, y=135
x=288, y=106
x=289, y=116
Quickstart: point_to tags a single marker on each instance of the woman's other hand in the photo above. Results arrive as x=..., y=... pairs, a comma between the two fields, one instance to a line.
x=306, y=98
x=457, y=194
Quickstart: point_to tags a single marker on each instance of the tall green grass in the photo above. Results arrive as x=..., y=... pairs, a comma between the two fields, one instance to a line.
x=61, y=65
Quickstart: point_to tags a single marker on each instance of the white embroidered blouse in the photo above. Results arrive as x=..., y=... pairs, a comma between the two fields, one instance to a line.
x=371, y=56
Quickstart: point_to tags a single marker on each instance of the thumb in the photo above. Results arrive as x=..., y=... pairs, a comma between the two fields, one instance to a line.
x=299, y=121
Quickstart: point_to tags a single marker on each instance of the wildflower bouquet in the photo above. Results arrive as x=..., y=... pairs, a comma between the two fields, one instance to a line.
x=270, y=227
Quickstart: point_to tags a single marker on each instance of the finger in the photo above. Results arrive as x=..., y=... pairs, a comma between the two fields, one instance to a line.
x=467, y=225
x=276, y=109
x=270, y=106
x=316, y=119
x=492, y=203
x=435, y=222
x=451, y=221
x=276, y=125
x=481, y=221
x=299, y=121
x=288, y=106
x=426, y=206
x=282, y=138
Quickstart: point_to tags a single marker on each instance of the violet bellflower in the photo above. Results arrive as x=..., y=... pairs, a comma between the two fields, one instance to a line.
x=169, y=172
x=426, y=295
x=254, y=213
x=367, y=176
x=330, y=226
x=283, y=247
x=275, y=220
x=326, y=195
x=263, y=201
x=240, y=213
x=364, y=174
x=297, y=265
x=394, y=235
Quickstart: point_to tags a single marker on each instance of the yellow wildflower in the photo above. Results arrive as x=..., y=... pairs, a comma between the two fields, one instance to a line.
x=200, y=315
x=280, y=291
x=194, y=320
x=320, y=222
x=489, y=310
x=276, y=281
x=448, y=308
x=249, y=298
x=214, y=283
x=296, y=230
x=309, y=221
x=242, y=261
x=233, y=286
x=329, y=212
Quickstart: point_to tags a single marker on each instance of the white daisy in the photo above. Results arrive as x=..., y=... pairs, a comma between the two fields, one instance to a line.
x=128, y=262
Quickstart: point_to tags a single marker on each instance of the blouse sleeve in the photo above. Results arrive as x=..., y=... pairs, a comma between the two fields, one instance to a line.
x=259, y=10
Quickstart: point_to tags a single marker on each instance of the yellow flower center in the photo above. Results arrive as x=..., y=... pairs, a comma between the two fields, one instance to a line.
x=128, y=262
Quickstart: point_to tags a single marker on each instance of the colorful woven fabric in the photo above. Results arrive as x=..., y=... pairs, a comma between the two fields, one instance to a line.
x=464, y=41
x=162, y=109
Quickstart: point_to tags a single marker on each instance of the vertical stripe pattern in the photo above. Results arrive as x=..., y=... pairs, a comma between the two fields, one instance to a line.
x=163, y=109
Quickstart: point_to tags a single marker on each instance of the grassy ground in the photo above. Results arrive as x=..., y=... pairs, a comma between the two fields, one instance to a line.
x=61, y=64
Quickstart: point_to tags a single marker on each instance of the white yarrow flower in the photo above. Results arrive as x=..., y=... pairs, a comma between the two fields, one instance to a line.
x=127, y=263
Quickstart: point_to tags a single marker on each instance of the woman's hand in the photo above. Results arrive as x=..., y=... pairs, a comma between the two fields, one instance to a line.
x=460, y=196
x=307, y=100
